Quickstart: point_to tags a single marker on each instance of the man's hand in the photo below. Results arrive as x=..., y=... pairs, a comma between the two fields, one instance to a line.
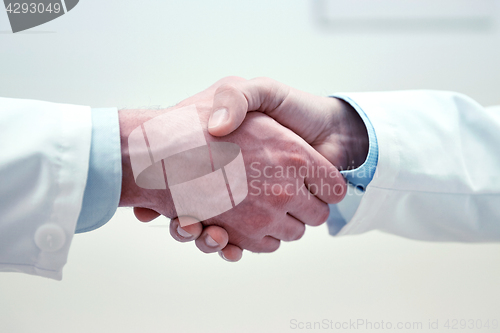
x=329, y=125
x=277, y=206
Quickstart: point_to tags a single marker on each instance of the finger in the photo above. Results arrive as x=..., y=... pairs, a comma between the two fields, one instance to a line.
x=288, y=229
x=233, y=101
x=231, y=253
x=265, y=245
x=187, y=233
x=145, y=214
x=308, y=209
x=322, y=179
x=212, y=239
x=270, y=244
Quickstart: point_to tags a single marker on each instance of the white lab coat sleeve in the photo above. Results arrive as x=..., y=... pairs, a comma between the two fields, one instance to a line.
x=438, y=172
x=43, y=172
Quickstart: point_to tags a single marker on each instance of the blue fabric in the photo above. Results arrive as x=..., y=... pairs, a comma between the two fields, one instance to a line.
x=104, y=180
x=361, y=176
x=336, y=220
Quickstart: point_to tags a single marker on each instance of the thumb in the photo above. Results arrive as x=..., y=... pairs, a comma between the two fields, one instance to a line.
x=233, y=101
x=228, y=112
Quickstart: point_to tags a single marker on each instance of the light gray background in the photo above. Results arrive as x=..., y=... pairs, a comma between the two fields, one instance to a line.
x=130, y=277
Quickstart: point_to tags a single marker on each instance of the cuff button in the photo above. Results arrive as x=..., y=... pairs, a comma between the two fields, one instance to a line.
x=50, y=238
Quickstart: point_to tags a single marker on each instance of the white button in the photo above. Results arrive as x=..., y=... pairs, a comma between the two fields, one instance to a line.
x=50, y=237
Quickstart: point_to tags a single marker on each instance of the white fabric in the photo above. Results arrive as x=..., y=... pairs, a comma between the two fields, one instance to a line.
x=438, y=173
x=437, y=177
x=43, y=172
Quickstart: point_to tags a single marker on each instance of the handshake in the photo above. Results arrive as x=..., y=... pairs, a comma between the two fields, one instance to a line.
x=292, y=143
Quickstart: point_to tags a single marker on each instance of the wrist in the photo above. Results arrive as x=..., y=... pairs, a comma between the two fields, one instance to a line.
x=131, y=194
x=354, y=136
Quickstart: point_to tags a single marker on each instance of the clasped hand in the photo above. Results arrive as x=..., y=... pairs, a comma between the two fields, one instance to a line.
x=293, y=148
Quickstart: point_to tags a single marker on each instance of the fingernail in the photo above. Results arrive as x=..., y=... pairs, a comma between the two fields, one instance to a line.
x=211, y=242
x=183, y=232
x=217, y=118
x=222, y=255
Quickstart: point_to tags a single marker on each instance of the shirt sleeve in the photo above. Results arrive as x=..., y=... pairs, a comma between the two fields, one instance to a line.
x=358, y=179
x=103, y=188
x=363, y=175
x=43, y=170
x=437, y=173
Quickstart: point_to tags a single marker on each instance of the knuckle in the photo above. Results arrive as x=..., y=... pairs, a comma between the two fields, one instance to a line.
x=296, y=157
x=320, y=217
x=343, y=192
x=264, y=80
x=231, y=79
x=261, y=225
x=274, y=91
x=275, y=246
x=300, y=234
x=267, y=244
x=280, y=198
x=226, y=88
x=324, y=214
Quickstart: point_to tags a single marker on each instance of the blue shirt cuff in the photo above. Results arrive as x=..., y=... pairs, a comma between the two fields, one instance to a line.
x=359, y=177
x=363, y=175
x=104, y=180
